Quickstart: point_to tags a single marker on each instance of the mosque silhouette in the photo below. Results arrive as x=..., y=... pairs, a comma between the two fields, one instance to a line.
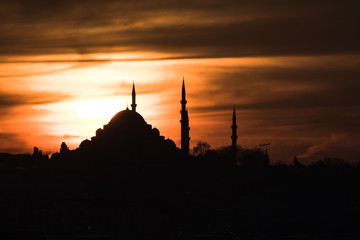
x=128, y=134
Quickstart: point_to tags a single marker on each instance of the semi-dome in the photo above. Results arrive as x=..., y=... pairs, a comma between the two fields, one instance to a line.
x=126, y=118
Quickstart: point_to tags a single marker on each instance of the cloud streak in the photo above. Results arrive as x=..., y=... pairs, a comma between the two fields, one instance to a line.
x=11, y=100
x=203, y=28
x=12, y=142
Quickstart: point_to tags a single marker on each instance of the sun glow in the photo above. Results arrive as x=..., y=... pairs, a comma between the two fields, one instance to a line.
x=98, y=108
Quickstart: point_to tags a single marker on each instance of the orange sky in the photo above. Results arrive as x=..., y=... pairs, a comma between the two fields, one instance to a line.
x=291, y=69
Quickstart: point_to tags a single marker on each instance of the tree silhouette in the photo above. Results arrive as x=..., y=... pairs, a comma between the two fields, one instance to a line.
x=36, y=152
x=64, y=148
x=200, y=148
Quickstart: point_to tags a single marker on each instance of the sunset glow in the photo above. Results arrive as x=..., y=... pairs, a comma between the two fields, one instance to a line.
x=65, y=74
x=163, y=119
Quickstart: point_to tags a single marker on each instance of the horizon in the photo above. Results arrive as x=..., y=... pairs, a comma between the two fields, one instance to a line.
x=290, y=68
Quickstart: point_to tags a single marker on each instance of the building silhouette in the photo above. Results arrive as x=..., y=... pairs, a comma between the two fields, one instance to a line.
x=185, y=139
x=234, y=136
x=127, y=139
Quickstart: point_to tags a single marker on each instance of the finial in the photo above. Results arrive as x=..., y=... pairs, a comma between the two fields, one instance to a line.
x=133, y=105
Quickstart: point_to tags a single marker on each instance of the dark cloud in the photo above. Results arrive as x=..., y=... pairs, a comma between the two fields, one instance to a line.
x=38, y=71
x=309, y=85
x=12, y=142
x=199, y=28
x=12, y=100
x=9, y=101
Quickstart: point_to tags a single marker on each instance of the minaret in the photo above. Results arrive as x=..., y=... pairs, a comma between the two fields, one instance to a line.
x=133, y=105
x=234, y=136
x=185, y=139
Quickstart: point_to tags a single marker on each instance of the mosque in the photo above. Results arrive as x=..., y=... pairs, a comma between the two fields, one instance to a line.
x=129, y=136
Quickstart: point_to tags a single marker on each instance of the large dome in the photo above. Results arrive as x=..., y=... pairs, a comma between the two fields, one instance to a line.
x=126, y=118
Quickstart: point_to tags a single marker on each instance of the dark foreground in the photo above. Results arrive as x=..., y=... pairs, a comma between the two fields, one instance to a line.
x=201, y=200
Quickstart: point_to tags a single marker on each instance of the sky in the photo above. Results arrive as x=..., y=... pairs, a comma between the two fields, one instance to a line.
x=291, y=68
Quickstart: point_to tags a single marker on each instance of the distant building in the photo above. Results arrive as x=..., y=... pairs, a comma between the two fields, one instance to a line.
x=185, y=139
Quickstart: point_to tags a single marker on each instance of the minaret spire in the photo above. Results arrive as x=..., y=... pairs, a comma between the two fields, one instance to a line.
x=185, y=139
x=234, y=136
x=133, y=105
x=183, y=93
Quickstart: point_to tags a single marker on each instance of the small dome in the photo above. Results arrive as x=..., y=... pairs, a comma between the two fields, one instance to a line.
x=170, y=143
x=127, y=117
x=156, y=131
x=85, y=143
x=99, y=132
